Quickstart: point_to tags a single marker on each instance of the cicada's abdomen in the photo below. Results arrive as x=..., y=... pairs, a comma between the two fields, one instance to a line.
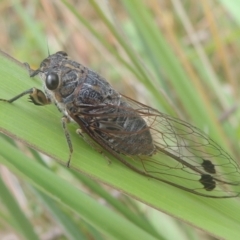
x=139, y=143
x=125, y=131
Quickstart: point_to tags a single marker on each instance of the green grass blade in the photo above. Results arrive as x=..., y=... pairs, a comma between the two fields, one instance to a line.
x=99, y=216
x=24, y=227
x=71, y=230
x=117, y=205
x=32, y=26
x=233, y=8
x=165, y=57
x=99, y=37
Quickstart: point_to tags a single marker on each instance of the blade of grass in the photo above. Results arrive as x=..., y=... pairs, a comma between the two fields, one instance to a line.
x=99, y=216
x=233, y=8
x=98, y=189
x=24, y=227
x=99, y=37
x=71, y=230
x=166, y=58
x=32, y=25
x=136, y=219
x=68, y=225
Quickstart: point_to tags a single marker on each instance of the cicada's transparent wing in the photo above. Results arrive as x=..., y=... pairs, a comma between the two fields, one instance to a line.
x=162, y=147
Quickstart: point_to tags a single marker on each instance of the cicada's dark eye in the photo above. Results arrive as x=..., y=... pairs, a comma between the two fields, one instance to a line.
x=52, y=81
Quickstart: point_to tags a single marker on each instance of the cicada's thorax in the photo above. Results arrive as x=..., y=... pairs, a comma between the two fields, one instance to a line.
x=87, y=96
x=79, y=86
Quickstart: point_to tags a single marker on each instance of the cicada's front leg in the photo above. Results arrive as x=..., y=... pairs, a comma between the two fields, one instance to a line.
x=36, y=96
x=27, y=66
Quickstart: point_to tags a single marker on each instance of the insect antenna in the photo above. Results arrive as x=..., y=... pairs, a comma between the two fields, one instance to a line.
x=48, y=48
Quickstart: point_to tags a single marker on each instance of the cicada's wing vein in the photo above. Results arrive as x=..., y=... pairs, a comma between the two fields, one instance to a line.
x=140, y=136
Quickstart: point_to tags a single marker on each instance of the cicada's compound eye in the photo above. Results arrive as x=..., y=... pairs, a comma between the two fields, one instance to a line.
x=52, y=81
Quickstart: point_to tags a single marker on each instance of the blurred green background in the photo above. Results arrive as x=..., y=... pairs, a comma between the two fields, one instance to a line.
x=181, y=57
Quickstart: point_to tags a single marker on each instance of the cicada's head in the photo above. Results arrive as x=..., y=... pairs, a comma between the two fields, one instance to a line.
x=50, y=70
x=60, y=75
x=50, y=64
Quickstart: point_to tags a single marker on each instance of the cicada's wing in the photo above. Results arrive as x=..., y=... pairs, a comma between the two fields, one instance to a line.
x=161, y=147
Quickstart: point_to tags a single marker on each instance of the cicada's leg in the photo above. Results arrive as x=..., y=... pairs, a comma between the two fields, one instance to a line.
x=65, y=121
x=92, y=144
x=31, y=72
x=36, y=96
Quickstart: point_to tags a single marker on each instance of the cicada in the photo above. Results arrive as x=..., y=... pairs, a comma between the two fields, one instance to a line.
x=151, y=143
